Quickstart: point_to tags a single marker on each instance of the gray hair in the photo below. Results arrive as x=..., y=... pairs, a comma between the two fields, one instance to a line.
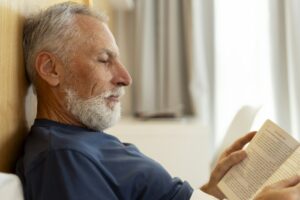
x=53, y=30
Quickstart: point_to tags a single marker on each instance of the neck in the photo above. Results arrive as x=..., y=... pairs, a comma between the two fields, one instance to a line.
x=52, y=107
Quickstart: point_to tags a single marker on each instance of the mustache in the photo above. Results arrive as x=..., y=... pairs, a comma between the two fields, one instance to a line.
x=115, y=92
x=118, y=92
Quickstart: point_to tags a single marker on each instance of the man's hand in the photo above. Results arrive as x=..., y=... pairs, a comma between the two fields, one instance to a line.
x=287, y=189
x=232, y=156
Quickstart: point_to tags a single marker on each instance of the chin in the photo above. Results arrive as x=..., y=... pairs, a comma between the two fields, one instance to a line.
x=113, y=105
x=95, y=113
x=104, y=119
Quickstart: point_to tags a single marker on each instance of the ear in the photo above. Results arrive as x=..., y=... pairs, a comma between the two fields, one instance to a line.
x=46, y=66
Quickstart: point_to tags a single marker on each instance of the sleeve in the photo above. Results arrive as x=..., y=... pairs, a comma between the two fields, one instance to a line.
x=199, y=195
x=67, y=175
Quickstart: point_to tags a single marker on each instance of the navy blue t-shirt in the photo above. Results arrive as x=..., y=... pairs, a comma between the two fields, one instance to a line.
x=64, y=162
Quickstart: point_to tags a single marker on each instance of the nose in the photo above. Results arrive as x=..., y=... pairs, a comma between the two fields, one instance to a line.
x=121, y=76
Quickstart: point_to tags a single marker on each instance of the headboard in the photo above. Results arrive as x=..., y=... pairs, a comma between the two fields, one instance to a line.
x=13, y=85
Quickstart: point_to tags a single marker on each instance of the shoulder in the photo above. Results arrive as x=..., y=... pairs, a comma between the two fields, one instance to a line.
x=58, y=160
x=48, y=140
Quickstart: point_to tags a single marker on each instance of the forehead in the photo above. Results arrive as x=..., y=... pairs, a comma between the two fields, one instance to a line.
x=95, y=34
x=87, y=22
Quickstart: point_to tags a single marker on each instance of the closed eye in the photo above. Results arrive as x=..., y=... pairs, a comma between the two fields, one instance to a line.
x=103, y=61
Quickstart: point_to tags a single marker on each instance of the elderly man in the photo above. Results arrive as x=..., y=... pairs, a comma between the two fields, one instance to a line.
x=73, y=62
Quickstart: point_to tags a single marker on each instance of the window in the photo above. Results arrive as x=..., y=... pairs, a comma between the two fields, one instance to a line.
x=243, y=75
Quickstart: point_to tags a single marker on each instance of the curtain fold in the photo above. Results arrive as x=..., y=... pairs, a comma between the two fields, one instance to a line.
x=285, y=45
x=159, y=64
x=279, y=65
x=170, y=55
x=201, y=58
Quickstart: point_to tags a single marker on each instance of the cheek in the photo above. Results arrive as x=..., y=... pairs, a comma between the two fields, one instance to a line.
x=97, y=82
x=89, y=79
x=100, y=84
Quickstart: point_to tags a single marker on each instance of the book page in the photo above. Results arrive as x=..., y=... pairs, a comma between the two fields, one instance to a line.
x=289, y=168
x=266, y=152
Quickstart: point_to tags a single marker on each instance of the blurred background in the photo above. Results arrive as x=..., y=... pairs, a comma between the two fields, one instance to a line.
x=204, y=73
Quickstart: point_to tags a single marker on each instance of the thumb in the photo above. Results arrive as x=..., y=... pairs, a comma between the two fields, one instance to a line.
x=287, y=183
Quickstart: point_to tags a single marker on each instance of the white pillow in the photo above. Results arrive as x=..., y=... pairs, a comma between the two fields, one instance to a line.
x=10, y=187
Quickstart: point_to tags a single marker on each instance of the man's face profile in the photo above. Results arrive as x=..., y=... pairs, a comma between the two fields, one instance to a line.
x=94, y=78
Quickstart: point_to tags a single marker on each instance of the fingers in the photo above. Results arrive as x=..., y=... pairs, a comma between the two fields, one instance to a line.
x=233, y=155
x=227, y=163
x=228, y=159
x=287, y=183
x=240, y=143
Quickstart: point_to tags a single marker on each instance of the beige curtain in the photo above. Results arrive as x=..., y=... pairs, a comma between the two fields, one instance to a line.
x=168, y=48
x=160, y=65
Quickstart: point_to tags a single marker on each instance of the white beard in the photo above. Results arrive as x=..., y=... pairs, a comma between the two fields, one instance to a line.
x=95, y=113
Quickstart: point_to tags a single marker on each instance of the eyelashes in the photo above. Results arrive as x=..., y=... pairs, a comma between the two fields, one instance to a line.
x=103, y=61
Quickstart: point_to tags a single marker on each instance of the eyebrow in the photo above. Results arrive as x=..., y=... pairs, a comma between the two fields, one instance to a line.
x=109, y=52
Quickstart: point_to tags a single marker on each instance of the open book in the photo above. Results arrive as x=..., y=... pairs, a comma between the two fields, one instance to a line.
x=273, y=155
